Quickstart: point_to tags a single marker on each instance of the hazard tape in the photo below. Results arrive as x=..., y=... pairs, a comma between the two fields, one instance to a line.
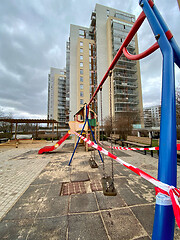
x=134, y=149
x=164, y=188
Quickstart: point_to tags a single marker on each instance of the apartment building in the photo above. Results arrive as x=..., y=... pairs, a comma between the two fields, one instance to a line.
x=152, y=116
x=57, y=95
x=91, y=52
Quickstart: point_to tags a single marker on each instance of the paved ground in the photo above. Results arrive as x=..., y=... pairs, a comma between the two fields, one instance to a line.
x=62, y=202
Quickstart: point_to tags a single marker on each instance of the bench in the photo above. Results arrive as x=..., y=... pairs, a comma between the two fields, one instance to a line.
x=47, y=135
x=3, y=140
x=142, y=142
x=114, y=138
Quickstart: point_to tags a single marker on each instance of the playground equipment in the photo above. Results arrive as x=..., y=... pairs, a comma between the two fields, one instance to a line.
x=167, y=193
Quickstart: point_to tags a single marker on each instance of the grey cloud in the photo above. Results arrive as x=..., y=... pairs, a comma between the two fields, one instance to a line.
x=33, y=38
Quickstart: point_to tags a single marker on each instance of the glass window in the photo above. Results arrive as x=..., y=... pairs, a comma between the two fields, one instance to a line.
x=81, y=101
x=81, y=86
x=81, y=79
x=90, y=59
x=81, y=71
x=89, y=52
x=81, y=44
x=81, y=64
x=81, y=32
x=89, y=45
x=81, y=50
x=81, y=94
x=81, y=57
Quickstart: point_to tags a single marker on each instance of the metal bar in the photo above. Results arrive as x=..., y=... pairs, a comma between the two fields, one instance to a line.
x=167, y=168
x=172, y=41
x=127, y=40
x=94, y=138
x=77, y=143
x=144, y=54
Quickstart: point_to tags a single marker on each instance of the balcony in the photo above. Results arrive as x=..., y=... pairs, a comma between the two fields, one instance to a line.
x=124, y=77
x=119, y=92
x=125, y=101
x=93, y=18
x=125, y=68
x=119, y=85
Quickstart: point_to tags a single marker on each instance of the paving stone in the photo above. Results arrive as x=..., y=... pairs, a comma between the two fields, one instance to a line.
x=86, y=226
x=18, y=229
x=54, y=190
x=53, y=207
x=145, y=214
x=132, y=197
x=79, y=177
x=26, y=211
x=122, y=171
x=109, y=202
x=49, y=228
x=120, y=182
x=33, y=194
x=122, y=224
x=83, y=203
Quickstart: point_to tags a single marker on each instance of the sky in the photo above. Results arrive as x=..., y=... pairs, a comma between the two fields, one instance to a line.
x=33, y=37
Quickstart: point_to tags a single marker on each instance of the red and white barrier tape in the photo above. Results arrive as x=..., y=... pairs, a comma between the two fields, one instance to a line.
x=164, y=188
x=134, y=149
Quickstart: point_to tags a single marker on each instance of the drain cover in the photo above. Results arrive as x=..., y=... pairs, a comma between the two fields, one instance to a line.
x=73, y=188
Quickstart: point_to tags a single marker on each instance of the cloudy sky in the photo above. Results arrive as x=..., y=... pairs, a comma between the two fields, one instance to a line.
x=33, y=35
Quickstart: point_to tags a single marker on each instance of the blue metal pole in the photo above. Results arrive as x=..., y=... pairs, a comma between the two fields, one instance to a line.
x=167, y=169
x=172, y=41
x=77, y=142
x=94, y=139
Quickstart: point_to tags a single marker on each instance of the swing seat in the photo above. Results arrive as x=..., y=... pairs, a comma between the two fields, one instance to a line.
x=92, y=163
x=108, y=186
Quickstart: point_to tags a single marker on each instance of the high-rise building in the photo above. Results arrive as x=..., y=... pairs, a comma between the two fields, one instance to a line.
x=152, y=116
x=91, y=52
x=57, y=95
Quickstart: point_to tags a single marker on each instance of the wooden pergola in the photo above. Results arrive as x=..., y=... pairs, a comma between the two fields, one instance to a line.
x=37, y=121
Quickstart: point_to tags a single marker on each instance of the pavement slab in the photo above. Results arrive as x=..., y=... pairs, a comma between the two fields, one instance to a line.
x=83, y=203
x=53, y=207
x=144, y=214
x=86, y=226
x=15, y=229
x=109, y=202
x=49, y=228
x=30, y=200
x=130, y=226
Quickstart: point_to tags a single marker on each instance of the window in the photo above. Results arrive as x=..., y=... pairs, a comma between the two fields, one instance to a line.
x=81, y=86
x=81, y=94
x=81, y=33
x=81, y=71
x=81, y=44
x=90, y=59
x=81, y=79
x=108, y=12
x=81, y=101
x=89, y=45
x=81, y=50
x=81, y=64
x=81, y=57
x=89, y=52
